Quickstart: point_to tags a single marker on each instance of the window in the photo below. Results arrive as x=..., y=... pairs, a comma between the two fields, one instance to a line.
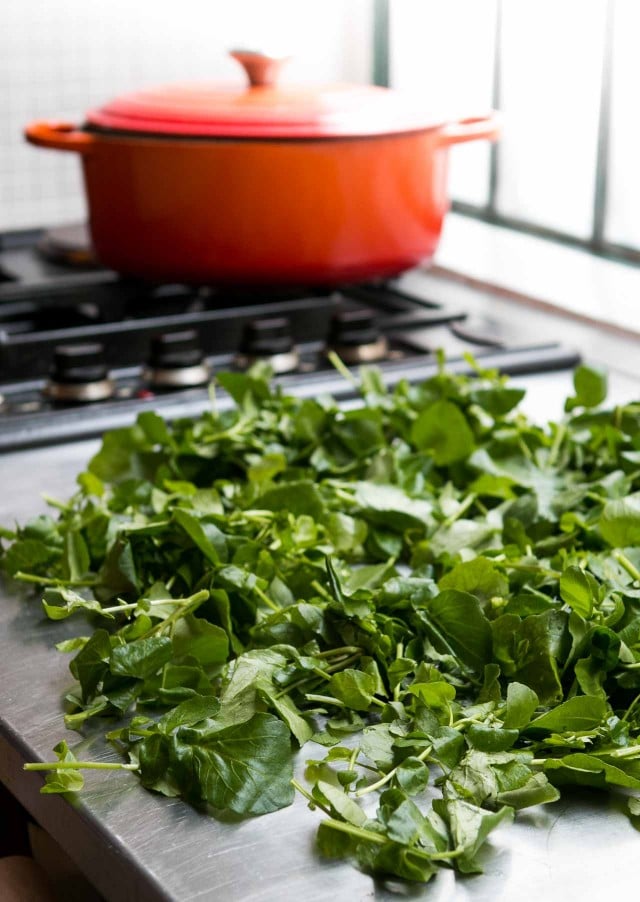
x=565, y=74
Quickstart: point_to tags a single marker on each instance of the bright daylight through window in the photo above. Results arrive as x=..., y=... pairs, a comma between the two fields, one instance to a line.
x=565, y=76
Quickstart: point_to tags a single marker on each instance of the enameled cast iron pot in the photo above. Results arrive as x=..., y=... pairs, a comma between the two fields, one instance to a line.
x=210, y=184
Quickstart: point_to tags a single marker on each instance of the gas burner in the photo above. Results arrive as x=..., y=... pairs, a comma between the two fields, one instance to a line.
x=68, y=246
x=79, y=375
x=355, y=336
x=269, y=339
x=176, y=361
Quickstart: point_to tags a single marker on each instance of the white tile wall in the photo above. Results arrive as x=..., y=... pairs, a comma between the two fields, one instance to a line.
x=58, y=58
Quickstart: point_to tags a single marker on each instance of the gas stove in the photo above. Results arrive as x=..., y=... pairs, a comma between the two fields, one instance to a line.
x=83, y=350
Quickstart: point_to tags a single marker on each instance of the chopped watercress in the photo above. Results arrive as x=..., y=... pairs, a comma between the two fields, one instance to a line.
x=441, y=593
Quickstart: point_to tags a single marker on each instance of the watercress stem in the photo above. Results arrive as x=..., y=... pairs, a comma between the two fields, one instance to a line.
x=626, y=564
x=390, y=775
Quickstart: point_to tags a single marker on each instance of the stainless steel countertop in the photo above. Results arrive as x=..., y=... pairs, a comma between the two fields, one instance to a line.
x=134, y=845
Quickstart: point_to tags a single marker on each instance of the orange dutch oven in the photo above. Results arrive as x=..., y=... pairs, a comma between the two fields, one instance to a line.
x=210, y=184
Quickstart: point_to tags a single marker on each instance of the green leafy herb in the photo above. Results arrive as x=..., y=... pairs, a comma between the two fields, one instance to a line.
x=442, y=594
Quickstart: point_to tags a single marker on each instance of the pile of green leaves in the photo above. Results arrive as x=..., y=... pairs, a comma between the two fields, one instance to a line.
x=441, y=593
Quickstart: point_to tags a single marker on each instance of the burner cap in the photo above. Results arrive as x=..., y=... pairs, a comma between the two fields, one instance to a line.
x=269, y=339
x=354, y=335
x=175, y=350
x=79, y=373
x=176, y=360
x=69, y=246
x=266, y=337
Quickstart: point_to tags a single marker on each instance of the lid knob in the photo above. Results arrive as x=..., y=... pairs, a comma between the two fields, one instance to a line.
x=261, y=68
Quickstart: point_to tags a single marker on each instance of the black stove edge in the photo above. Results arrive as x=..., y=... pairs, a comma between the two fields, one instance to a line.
x=73, y=424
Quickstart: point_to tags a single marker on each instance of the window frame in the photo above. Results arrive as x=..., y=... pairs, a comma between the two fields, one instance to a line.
x=596, y=243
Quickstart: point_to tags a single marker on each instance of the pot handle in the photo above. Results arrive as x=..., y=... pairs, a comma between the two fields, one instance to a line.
x=472, y=129
x=59, y=135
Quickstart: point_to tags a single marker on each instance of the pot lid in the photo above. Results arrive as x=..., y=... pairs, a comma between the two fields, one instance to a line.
x=263, y=110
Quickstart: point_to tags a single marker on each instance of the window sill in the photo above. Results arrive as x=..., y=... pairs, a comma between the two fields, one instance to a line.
x=541, y=273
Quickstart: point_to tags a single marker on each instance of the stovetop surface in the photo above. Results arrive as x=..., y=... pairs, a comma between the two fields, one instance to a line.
x=47, y=305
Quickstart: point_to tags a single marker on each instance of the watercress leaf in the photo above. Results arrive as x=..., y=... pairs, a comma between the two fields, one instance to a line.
x=290, y=714
x=66, y=780
x=402, y=589
x=175, y=683
x=246, y=677
x=30, y=555
x=297, y=498
x=332, y=842
x=620, y=521
x=243, y=385
x=142, y=657
x=59, y=603
x=354, y=688
x=207, y=501
x=123, y=455
x=369, y=576
x=396, y=860
x=578, y=589
x=477, y=577
x=377, y=744
x=153, y=758
x=206, y=536
x=489, y=738
x=245, y=768
x=590, y=385
x=470, y=826
x=536, y=791
x=463, y=536
x=442, y=429
x=405, y=824
x=459, y=617
x=413, y=775
x=342, y=805
x=74, y=644
x=90, y=484
x=92, y=663
x=204, y=641
x=498, y=400
x=524, y=650
x=188, y=713
x=581, y=713
x=399, y=669
x=118, y=570
x=267, y=467
x=345, y=532
x=308, y=422
x=360, y=431
x=155, y=428
x=390, y=506
x=521, y=704
x=436, y=696
x=587, y=770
